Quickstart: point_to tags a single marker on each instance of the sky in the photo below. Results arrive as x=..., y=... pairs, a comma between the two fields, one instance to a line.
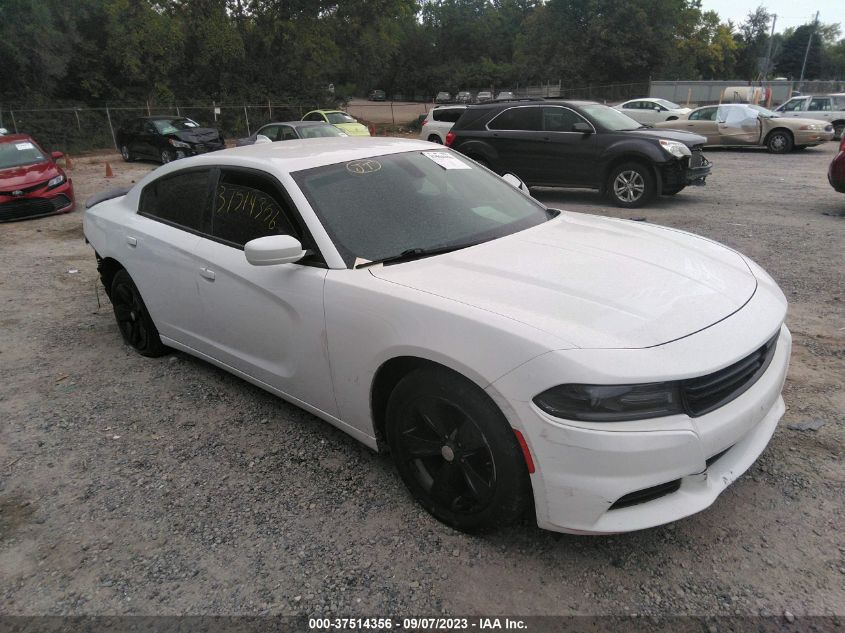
x=791, y=13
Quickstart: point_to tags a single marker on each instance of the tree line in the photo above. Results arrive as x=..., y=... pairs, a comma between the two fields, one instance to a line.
x=110, y=51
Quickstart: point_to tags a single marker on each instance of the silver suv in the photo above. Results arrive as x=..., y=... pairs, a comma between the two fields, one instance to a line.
x=439, y=121
x=829, y=108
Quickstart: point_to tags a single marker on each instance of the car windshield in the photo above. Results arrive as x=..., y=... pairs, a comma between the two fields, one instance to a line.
x=169, y=126
x=319, y=131
x=339, y=117
x=610, y=118
x=385, y=205
x=668, y=104
x=763, y=111
x=19, y=153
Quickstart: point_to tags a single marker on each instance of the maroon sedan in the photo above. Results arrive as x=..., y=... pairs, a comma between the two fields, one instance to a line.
x=31, y=183
x=836, y=173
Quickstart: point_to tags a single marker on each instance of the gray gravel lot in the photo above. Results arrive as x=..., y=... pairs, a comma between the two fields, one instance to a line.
x=137, y=486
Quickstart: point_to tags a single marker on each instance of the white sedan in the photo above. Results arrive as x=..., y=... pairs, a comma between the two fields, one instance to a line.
x=620, y=374
x=649, y=111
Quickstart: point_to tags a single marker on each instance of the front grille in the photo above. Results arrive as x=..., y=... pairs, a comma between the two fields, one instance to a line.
x=646, y=494
x=706, y=393
x=31, y=207
x=26, y=190
x=697, y=159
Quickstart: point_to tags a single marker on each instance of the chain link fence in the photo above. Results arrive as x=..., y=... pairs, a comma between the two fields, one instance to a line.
x=80, y=129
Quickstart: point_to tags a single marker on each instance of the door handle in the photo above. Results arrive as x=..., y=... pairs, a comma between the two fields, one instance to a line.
x=207, y=273
x=132, y=241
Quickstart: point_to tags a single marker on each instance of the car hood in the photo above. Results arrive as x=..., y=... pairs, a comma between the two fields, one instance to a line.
x=197, y=135
x=687, y=138
x=27, y=175
x=353, y=129
x=591, y=282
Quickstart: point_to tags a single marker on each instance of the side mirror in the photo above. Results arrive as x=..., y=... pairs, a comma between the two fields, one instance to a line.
x=515, y=182
x=57, y=155
x=581, y=126
x=273, y=249
x=260, y=138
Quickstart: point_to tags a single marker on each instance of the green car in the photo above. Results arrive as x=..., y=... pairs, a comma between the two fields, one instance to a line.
x=340, y=120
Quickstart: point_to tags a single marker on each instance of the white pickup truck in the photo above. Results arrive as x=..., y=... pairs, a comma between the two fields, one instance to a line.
x=830, y=108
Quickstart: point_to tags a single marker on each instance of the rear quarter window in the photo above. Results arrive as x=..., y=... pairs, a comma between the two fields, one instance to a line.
x=179, y=199
x=447, y=115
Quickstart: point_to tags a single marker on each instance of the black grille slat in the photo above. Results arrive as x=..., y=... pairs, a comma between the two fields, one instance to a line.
x=646, y=494
x=706, y=393
x=25, y=190
x=32, y=207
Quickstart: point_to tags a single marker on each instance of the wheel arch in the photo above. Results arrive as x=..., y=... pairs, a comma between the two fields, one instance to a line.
x=631, y=157
x=108, y=267
x=389, y=374
x=779, y=129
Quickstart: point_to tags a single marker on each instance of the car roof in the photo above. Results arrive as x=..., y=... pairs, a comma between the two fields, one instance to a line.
x=12, y=138
x=160, y=117
x=296, y=155
x=327, y=111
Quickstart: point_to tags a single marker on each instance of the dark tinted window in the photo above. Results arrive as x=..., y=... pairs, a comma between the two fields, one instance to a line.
x=288, y=133
x=248, y=206
x=178, y=199
x=270, y=131
x=314, y=116
x=525, y=118
x=447, y=115
x=560, y=119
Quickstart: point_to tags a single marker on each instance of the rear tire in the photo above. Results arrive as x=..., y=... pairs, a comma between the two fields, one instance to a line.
x=779, y=142
x=126, y=154
x=838, y=129
x=456, y=452
x=133, y=320
x=631, y=185
x=433, y=138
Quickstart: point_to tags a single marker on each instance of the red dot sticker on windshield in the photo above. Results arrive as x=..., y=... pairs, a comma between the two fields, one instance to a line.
x=365, y=166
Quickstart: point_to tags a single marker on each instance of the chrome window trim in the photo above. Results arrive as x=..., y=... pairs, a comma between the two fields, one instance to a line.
x=535, y=105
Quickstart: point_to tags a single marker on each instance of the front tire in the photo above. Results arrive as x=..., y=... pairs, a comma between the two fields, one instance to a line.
x=456, y=452
x=126, y=154
x=135, y=324
x=433, y=138
x=779, y=142
x=838, y=130
x=166, y=156
x=631, y=185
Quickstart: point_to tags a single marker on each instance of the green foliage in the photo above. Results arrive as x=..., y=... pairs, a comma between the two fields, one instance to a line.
x=166, y=51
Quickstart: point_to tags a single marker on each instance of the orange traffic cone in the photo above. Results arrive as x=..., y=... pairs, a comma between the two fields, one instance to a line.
x=109, y=172
x=68, y=162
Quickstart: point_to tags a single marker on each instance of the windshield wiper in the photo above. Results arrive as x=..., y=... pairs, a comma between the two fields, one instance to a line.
x=415, y=253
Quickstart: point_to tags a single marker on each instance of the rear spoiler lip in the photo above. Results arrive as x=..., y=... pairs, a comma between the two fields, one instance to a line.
x=108, y=194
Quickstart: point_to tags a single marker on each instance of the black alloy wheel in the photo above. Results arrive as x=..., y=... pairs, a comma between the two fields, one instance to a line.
x=456, y=452
x=126, y=154
x=133, y=320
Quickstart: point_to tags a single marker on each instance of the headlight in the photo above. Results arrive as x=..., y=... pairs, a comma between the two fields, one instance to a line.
x=611, y=403
x=176, y=143
x=675, y=148
x=55, y=181
x=812, y=127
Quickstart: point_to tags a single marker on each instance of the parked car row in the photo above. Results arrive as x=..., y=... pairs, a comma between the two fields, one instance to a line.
x=467, y=97
x=167, y=138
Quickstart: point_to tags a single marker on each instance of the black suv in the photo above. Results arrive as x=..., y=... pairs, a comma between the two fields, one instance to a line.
x=580, y=144
x=166, y=138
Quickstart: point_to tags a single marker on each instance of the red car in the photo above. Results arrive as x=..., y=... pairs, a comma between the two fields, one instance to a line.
x=31, y=183
x=836, y=173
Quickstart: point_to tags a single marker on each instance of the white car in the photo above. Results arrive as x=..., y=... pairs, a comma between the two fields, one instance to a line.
x=620, y=374
x=439, y=121
x=649, y=111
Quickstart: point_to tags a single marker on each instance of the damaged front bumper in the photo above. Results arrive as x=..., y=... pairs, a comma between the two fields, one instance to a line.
x=692, y=170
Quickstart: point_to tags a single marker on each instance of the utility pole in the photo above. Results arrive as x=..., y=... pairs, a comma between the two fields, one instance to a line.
x=764, y=72
x=807, y=52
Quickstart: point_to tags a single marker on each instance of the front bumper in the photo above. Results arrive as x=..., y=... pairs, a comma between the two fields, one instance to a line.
x=38, y=203
x=692, y=170
x=813, y=137
x=584, y=468
x=198, y=148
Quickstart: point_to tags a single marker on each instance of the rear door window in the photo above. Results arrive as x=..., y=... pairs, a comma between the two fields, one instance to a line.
x=819, y=104
x=521, y=118
x=178, y=199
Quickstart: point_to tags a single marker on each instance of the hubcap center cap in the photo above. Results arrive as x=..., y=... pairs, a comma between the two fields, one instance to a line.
x=448, y=453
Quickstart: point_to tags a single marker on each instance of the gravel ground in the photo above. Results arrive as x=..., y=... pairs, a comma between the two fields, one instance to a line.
x=138, y=486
